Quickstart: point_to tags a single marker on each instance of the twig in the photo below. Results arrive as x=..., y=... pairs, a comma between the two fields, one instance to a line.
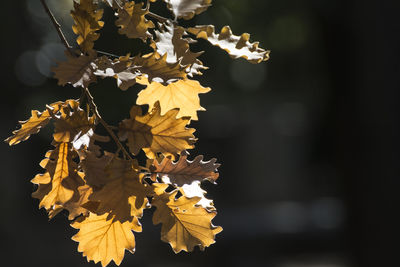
x=57, y=26
x=105, y=125
x=107, y=54
x=158, y=17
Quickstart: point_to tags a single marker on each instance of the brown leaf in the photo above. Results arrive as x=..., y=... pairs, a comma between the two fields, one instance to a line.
x=186, y=9
x=87, y=21
x=77, y=71
x=75, y=205
x=183, y=94
x=155, y=133
x=123, y=196
x=94, y=167
x=236, y=46
x=185, y=171
x=184, y=225
x=103, y=240
x=132, y=22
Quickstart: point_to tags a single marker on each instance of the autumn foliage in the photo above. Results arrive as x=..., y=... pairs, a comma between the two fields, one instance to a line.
x=106, y=193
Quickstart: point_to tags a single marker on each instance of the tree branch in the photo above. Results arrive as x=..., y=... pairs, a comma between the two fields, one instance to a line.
x=57, y=26
x=105, y=125
x=158, y=17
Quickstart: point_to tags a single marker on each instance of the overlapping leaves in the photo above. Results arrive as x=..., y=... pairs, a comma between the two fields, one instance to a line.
x=105, y=193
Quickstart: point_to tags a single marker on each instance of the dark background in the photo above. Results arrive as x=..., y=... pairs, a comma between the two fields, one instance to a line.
x=308, y=141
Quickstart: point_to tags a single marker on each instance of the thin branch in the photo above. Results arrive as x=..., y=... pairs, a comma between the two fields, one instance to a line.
x=158, y=17
x=107, y=54
x=57, y=26
x=105, y=125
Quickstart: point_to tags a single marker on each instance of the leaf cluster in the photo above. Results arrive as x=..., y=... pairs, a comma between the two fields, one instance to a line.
x=104, y=192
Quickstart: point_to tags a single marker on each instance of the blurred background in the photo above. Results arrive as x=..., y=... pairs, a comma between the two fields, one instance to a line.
x=308, y=141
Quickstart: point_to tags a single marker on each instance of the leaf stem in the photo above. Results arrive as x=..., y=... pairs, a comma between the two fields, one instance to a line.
x=57, y=26
x=105, y=125
x=157, y=17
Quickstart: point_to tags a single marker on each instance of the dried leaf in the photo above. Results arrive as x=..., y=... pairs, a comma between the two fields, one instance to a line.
x=73, y=125
x=184, y=225
x=187, y=9
x=78, y=71
x=102, y=240
x=87, y=21
x=236, y=46
x=170, y=40
x=94, y=167
x=185, y=171
x=123, y=196
x=155, y=68
x=75, y=205
x=155, y=133
x=183, y=94
x=194, y=190
x=61, y=180
x=132, y=22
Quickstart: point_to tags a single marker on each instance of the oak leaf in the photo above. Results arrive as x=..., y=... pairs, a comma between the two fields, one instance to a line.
x=77, y=71
x=184, y=225
x=170, y=40
x=75, y=205
x=61, y=180
x=87, y=21
x=94, y=167
x=187, y=9
x=185, y=171
x=183, y=94
x=102, y=240
x=155, y=133
x=73, y=125
x=155, y=67
x=132, y=22
x=123, y=196
x=236, y=46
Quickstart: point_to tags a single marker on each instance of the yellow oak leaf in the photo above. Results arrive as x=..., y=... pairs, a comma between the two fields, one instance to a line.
x=73, y=125
x=123, y=196
x=132, y=22
x=186, y=9
x=61, y=180
x=155, y=133
x=183, y=94
x=75, y=205
x=77, y=71
x=102, y=240
x=185, y=171
x=184, y=225
x=236, y=46
x=87, y=21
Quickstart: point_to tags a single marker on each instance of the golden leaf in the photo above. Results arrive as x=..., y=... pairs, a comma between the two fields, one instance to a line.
x=61, y=180
x=87, y=21
x=236, y=46
x=123, y=196
x=186, y=9
x=155, y=133
x=132, y=22
x=183, y=94
x=73, y=125
x=184, y=225
x=155, y=68
x=78, y=71
x=185, y=171
x=105, y=240
x=33, y=124
x=170, y=41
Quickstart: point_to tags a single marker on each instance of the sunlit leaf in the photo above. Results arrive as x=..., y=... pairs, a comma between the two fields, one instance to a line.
x=186, y=9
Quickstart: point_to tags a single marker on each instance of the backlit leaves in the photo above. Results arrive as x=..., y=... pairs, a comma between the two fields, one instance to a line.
x=184, y=224
x=132, y=22
x=185, y=171
x=103, y=240
x=236, y=46
x=183, y=94
x=155, y=133
x=86, y=22
x=105, y=193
